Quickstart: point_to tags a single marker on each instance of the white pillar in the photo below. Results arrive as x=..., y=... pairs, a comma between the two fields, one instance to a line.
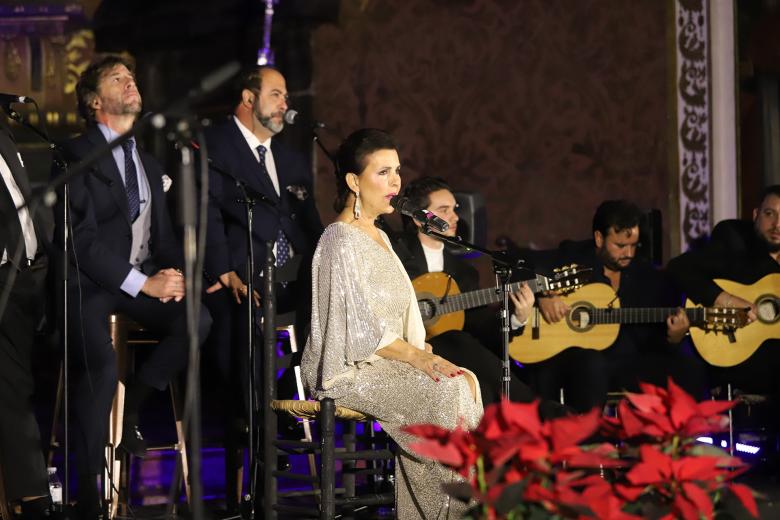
x=725, y=172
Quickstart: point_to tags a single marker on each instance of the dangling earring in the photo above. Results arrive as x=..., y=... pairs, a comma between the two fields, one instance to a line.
x=357, y=208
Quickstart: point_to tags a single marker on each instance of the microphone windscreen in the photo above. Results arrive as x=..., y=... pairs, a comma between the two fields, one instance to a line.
x=290, y=116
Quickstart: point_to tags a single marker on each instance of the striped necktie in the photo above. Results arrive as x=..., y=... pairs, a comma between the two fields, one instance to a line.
x=131, y=181
x=282, y=243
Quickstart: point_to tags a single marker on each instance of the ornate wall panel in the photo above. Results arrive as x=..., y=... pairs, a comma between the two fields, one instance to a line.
x=693, y=117
x=545, y=106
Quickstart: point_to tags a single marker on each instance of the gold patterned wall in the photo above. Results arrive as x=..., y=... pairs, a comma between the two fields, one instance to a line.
x=545, y=106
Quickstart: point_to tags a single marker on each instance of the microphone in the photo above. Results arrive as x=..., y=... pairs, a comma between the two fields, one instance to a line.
x=292, y=116
x=7, y=99
x=404, y=206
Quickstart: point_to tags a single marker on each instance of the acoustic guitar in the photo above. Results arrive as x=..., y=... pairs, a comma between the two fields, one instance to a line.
x=727, y=351
x=594, y=320
x=442, y=305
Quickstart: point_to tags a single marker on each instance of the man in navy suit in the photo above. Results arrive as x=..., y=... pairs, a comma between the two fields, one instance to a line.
x=21, y=458
x=243, y=148
x=125, y=260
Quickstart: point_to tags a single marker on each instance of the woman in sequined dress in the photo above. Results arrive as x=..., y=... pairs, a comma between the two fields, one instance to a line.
x=367, y=349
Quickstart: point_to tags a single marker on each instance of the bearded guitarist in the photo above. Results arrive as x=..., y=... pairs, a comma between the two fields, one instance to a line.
x=641, y=352
x=422, y=254
x=745, y=252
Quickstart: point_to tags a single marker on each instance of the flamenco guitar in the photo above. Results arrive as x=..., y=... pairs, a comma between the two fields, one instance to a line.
x=442, y=305
x=725, y=351
x=594, y=321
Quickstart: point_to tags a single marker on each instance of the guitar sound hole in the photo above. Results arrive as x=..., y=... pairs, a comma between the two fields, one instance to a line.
x=427, y=309
x=580, y=318
x=768, y=309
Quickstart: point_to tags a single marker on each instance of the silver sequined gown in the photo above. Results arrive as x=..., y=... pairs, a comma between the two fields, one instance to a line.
x=362, y=301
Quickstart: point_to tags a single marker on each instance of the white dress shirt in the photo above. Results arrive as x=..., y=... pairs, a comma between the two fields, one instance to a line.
x=28, y=229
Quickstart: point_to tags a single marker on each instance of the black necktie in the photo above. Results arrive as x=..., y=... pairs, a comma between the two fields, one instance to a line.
x=131, y=181
x=282, y=244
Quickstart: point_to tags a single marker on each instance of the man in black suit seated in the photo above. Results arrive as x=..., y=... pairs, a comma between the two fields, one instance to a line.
x=422, y=254
x=741, y=251
x=646, y=352
x=21, y=459
x=244, y=149
x=125, y=259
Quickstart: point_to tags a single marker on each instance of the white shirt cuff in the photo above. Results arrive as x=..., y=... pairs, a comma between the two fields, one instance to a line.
x=133, y=283
x=515, y=324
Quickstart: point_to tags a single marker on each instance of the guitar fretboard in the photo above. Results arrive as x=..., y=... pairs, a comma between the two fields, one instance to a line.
x=478, y=298
x=641, y=314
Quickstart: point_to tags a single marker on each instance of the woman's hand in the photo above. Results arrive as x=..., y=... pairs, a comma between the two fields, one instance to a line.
x=434, y=365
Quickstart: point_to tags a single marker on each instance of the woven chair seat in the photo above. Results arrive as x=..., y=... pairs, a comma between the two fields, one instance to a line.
x=310, y=410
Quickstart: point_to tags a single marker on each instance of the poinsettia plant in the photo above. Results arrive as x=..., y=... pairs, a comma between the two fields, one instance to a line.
x=648, y=465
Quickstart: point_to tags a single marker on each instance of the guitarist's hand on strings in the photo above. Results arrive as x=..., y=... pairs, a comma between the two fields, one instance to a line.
x=523, y=299
x=677, y=326
x=553, y=308
x=725, y=299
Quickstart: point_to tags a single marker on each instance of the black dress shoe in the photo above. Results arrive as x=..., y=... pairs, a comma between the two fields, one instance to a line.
x=133, y=442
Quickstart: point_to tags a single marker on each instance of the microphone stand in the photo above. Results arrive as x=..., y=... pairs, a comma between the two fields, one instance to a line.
x=503, y=270
x=249, y=199
x=61, y=163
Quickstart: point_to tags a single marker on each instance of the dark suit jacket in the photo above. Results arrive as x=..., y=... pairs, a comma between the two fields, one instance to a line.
x=734, y=252
x=102, y=232
x=10, y=229
x=227, y=223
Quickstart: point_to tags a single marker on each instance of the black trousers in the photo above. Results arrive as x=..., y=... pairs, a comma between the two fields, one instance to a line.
x=582, y=374
x=93, y=357
x=21, y=456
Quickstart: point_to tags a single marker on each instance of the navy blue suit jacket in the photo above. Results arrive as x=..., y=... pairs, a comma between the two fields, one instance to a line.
x=295, y=214
x=102, y=232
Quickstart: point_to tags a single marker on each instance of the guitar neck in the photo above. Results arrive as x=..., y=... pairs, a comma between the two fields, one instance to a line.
x=642, y=315
x=480, y=297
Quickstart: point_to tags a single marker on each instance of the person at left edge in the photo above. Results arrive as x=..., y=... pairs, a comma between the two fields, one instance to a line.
x=125, y=259
x=21, y=458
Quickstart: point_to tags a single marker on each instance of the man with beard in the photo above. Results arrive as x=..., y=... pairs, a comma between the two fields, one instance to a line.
x=125, y=259
x=744, y=252
x=646, y=352
x=243, y=149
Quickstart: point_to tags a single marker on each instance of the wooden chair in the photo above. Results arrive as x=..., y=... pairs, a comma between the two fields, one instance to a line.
x=372, y=448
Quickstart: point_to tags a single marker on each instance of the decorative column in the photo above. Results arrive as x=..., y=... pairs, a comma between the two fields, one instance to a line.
x=693, y=119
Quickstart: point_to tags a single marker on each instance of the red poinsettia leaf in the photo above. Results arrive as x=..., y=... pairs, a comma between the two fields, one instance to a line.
x=682, y=405
x=648, y=388
x=535, y=492
x=695, y=468
x=697, y=425
x=656, y=424
x=631, y=423
x=630, y=493
x=427, y=431
x=570, y=430
x=655, y=467
x=745, y=496
x=585, y=459
x=533, y=451
x=445, y=453
x=646, y=402
x=709, y=408
x=700, y=499
x=685, y=508
x=521, y=416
